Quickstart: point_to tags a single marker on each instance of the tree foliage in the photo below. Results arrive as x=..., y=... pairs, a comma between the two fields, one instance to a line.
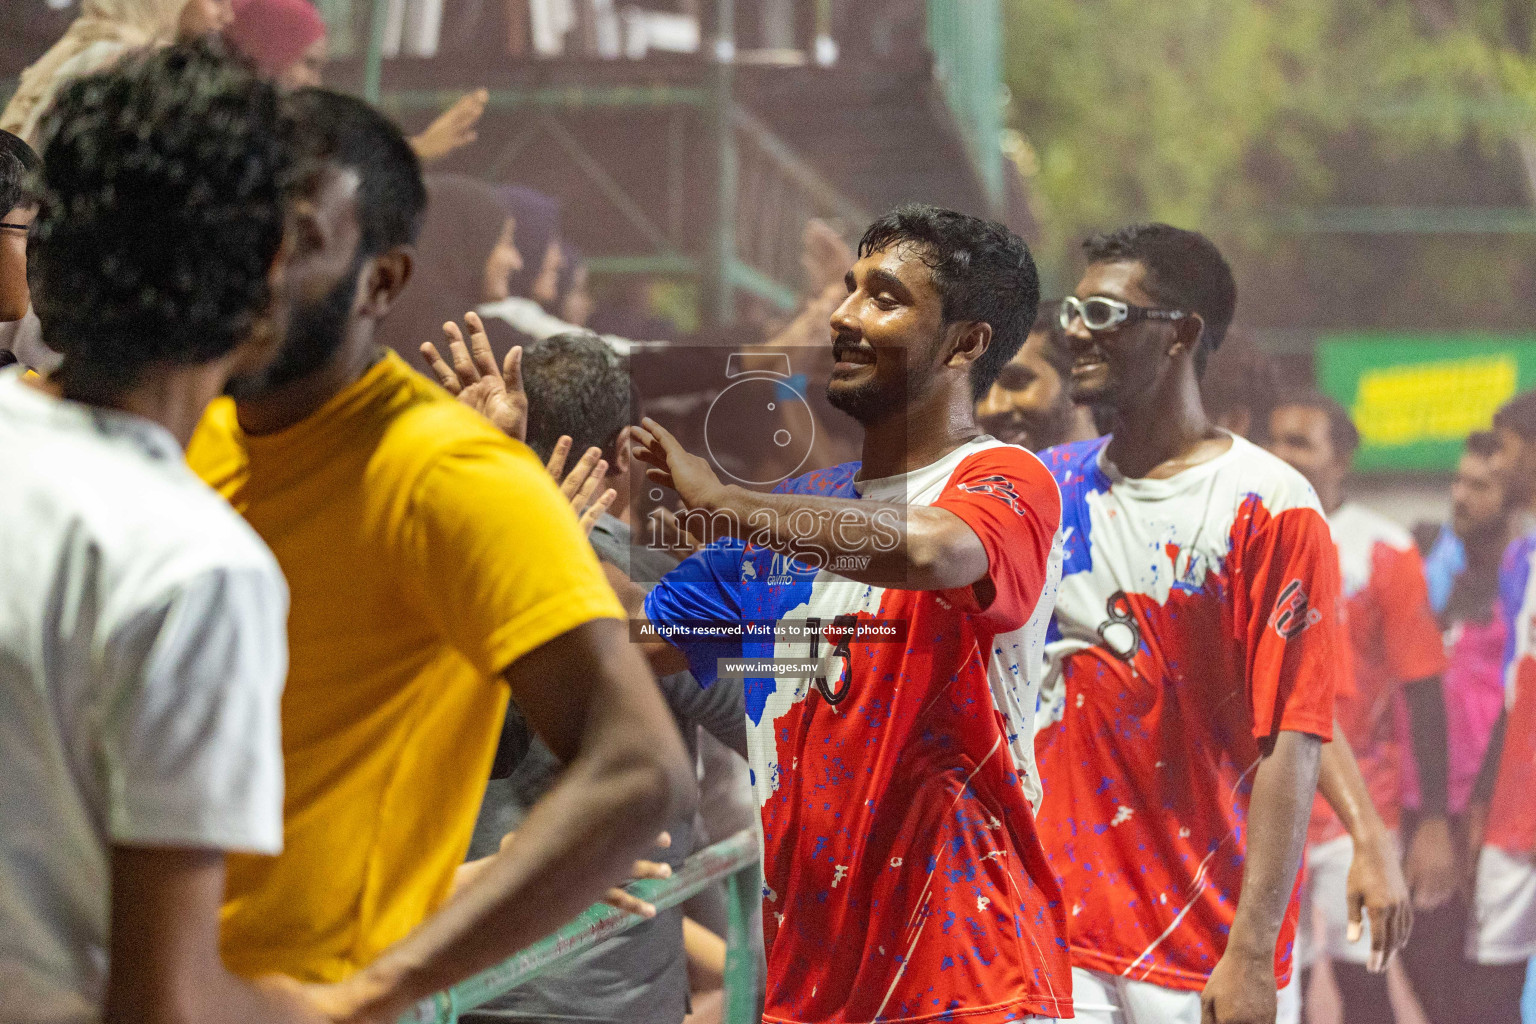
x=1227, y=114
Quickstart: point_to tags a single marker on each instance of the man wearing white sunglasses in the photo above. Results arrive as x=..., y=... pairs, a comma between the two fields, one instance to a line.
x=1194, y=655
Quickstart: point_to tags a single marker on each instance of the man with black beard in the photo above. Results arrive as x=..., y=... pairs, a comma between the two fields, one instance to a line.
x=433, y=565
x=895, y=775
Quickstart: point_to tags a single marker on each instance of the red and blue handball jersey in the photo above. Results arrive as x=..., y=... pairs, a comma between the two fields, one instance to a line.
x=1512, y=808
x=903, y=876
x=1197, y=616
x=1395, y=640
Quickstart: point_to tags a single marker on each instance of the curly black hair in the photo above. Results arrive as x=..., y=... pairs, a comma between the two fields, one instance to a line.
x=17, y=165
x=1185, y=271
x=161, y=211
x=983, y=272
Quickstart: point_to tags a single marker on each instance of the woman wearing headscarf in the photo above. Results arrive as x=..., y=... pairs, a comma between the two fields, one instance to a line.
x=286, y=40
x=103, y=33
x=538, y=238
x=549, y=296
x=467, y=253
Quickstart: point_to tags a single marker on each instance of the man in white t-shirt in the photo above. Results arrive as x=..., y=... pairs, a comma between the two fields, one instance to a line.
x=142, y=644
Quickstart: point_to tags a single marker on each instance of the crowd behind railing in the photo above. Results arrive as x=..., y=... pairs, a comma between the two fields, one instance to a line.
x=319, y=699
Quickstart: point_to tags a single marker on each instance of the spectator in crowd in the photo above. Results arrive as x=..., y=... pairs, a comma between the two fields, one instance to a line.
x=469, y=250
x=286, y=39
x=142, y=646
x=1514, y=459
x=18, y=205
x=434, y=567
x=1031, y=402
x=1465, y=600
x=576, y=303
x=1239, y=387
x=538, y=217
x=578, y=392
x=103, y=33
x=1515, y=426
x=1398, y=658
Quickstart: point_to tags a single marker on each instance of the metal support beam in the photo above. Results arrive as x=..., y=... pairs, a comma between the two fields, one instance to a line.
x=373, y=67
x=1407, y=220
x=719, y=304
x=600, y=177
x=555, y=97
x=735, y=859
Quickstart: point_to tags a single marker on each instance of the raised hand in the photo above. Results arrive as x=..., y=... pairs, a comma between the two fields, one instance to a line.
x=453, y=129
x=674, y=466
x=581, y=484
x=475, y=380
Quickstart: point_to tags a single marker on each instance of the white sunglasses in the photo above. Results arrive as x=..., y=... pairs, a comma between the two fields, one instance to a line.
x=1101, y=314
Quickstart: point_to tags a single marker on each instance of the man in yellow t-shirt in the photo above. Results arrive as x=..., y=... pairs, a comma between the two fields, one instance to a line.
x=433, y=564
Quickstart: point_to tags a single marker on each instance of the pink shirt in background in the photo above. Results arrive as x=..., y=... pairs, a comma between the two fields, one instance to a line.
x=1474, y=693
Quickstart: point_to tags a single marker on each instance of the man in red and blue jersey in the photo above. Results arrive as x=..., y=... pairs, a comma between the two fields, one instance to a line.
x=904, y=879
x=1195, y=651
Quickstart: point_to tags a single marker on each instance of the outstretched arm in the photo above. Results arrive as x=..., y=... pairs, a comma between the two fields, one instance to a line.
x=913, y=547
x=1241, y=989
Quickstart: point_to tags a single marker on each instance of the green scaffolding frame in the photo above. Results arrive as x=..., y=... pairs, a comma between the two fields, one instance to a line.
x=735, y=861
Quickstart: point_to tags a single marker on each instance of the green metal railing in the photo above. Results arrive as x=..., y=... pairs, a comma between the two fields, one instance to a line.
x=966, y=39
x=735, y=861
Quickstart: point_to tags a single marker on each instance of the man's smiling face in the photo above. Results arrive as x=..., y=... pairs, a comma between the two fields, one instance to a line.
x=1112, y=367
x=886, y=334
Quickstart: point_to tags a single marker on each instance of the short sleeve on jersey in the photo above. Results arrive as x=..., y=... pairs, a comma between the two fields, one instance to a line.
x=1009, y=500
x=703, y=590
x=493, y=600
x=1289, y=612
x=1416, y=649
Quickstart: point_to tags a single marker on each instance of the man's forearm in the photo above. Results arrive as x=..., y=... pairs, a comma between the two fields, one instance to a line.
x=627, y=779
x=884, y=544
x=1426, y=720
x=1283, y=787
x=1343, y=787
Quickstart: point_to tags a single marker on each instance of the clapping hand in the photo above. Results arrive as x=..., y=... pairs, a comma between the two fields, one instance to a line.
x=581, y=484
x=498, y=395
x=475, y=380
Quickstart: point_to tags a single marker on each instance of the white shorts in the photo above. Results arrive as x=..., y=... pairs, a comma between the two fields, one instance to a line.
x=1322, y=932
x=1503, y=929
x=1099, y=998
